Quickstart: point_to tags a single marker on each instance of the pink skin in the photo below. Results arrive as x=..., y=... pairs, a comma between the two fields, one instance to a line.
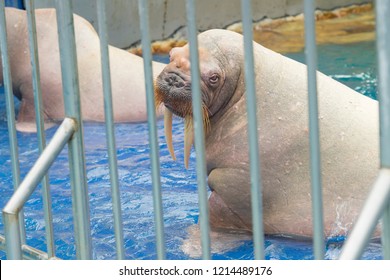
x=348, y=131
x=127, y=75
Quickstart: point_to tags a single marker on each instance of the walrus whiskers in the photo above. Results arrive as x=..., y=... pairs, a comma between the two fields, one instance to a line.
x=189, y=132
x=188, y=126
x=167, y=120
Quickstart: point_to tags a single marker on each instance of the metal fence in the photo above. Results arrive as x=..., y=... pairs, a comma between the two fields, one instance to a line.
x=70, y=133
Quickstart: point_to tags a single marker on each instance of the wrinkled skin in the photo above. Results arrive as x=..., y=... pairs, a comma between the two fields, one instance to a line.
x=127, y=75
x=348, y=136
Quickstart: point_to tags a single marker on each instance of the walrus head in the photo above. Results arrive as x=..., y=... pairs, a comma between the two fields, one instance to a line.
x=173, y=87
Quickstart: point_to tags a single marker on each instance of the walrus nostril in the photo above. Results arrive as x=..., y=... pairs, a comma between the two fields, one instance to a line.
x=170, y=80
x=179, y=84
x=173, y=80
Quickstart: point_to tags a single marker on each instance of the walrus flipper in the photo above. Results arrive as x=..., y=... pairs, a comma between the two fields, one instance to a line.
x=26, y=118
x=230, y=199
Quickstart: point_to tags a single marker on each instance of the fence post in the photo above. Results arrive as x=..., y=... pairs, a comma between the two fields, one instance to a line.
x=383, y=43
x=253, y=137
x=110, y=129
x=76, y=144
x=32, y=32
x=143, y=8
x=198, y=130
x=314, y=131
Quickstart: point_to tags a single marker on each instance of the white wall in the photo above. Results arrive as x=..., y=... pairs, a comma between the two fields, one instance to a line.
x=167, y=16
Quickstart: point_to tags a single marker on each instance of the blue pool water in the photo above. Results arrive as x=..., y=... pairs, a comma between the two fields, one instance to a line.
x=354, y=65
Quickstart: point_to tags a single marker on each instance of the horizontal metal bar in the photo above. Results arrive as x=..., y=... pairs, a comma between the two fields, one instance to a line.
x=28, y=252
x=39, y=169
x=373, y=208
x=31, y=253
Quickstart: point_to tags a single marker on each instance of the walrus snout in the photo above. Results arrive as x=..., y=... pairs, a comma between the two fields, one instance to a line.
x=173, y=89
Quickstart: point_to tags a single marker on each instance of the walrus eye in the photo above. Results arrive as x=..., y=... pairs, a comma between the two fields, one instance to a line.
x=214, y=79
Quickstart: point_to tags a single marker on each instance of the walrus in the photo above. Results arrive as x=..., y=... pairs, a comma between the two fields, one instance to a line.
x=348, y=137
x=127, y=75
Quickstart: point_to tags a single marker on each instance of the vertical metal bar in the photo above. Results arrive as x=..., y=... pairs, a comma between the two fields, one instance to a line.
x=76, y=144
x=383, y=42
x=9, y=98
x=256, y=195
x=110, y=129
x=12, y=236
x=368, y=218
x=30, y=8
x=386, y=232
x=143, y=9
x=198, y=130
x=315, y=157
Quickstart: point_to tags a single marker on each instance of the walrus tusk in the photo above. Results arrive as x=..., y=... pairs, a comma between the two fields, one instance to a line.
x=188, y=139
x=188, y=133
x=168, y=132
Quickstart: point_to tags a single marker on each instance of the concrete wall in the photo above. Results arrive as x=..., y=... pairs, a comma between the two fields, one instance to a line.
x=168, y=16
